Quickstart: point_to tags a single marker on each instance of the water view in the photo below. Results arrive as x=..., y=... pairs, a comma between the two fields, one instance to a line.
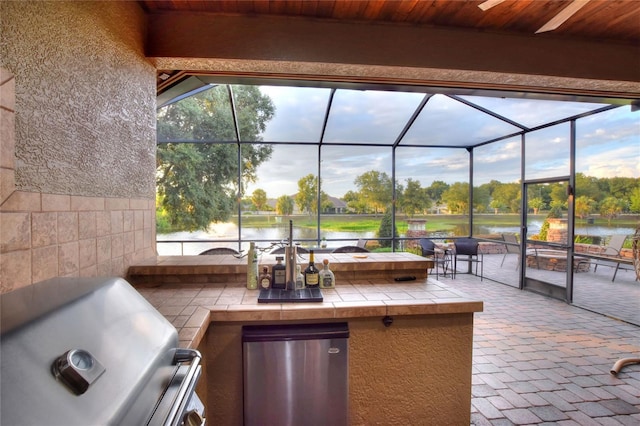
x=226, y=234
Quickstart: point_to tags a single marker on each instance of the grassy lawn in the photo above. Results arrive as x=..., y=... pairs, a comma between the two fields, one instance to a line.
x=440, y=223
x=364, y=223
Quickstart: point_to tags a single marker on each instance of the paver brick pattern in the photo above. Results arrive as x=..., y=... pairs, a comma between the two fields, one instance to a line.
x=537, y=360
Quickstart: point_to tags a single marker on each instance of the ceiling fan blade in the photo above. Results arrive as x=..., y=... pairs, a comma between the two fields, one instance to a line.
x=561, y=17
x=489, y=4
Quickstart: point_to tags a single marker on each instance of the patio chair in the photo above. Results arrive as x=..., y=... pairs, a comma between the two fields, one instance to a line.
x=612, y=251
x=467, y=251
x=350, y=249
x=220, y=250
x=440, y=257
x=512, y=247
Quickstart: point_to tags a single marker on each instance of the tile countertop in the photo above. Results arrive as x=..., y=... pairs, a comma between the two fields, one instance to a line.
x=192, y=307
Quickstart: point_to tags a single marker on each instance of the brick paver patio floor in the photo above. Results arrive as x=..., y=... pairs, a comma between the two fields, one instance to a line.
x=537, y=360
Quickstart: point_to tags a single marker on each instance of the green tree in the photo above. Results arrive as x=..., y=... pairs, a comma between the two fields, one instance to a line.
x=611, y=207
x=198, y=182
x=584, y=206
x=621, y=187
x=413, y=198
x=481, y=197
x=284, y=205
x=497, y=205
x=588, y=186
x=436, y=189
x=306, y=198
x=536, y=203
x=508, y=195
x=457, y=198
x=558, y=195
x=386, y=230
x=259, y=199
x=634, y=200
x=375, y=187
x=355, y=202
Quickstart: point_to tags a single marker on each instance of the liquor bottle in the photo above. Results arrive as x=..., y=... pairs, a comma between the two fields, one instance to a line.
x=327, y=277
x=299, y=278
x=279, y=274
x=311, y=273
x=252, y=267
x=265, y=278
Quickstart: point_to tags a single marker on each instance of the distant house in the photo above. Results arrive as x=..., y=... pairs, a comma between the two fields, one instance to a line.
x=338, y=207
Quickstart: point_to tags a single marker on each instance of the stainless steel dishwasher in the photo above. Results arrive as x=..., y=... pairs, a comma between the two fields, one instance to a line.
x=296, y=374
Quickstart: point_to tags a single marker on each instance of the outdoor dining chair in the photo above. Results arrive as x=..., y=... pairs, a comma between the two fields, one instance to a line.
x=350, y=249
x=611, y=255
x=220, y=250
x=466, y=250
x=512, y=247
x=440, y=257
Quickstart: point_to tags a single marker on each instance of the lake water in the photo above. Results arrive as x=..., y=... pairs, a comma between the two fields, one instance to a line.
x=229, y=231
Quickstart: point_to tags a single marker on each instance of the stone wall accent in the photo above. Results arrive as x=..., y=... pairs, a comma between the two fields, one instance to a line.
x=557, y=232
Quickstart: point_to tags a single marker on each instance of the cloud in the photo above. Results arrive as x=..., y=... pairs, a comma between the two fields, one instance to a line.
x=608, y=144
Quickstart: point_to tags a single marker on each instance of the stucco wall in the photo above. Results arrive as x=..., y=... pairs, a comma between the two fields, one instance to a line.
x=77, y=141
x=417, y=371
x=85, y=123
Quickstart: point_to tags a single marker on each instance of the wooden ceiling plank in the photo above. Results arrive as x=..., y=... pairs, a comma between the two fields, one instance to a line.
x=326, y=8
x=611, y=20
x=423, y=12
x=310, y=8
x=260, y=7
x=404, y=10
x=373, y=10
x=563, y=16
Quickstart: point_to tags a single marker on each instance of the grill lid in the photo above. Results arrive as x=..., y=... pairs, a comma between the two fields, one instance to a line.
x=112, y=352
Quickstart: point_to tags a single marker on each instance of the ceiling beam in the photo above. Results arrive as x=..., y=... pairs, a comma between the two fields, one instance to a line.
x=290, y=39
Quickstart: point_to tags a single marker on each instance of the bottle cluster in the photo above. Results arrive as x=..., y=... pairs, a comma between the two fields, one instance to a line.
x=310, y=277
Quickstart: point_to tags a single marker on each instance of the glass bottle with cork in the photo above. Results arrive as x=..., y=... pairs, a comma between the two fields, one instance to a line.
x=311, y=273
x=327, y=277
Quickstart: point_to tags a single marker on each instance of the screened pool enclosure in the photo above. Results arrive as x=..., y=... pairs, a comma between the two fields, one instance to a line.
x=430, y=162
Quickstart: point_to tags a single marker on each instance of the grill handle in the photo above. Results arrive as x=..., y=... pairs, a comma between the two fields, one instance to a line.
x=188, y=384
x=186, y=355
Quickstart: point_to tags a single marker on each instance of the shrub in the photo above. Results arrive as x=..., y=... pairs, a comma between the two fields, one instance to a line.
x=385, y=230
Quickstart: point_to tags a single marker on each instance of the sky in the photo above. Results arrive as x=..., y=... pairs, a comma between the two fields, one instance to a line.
x=608, y=143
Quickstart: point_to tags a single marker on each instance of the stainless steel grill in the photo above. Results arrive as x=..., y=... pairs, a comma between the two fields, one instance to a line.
x=93, y=352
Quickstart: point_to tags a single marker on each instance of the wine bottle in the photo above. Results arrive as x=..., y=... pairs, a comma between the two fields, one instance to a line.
x=327, y=277
x=311, y=273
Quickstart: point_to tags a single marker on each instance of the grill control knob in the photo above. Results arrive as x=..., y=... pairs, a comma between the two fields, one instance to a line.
x=193, y=418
